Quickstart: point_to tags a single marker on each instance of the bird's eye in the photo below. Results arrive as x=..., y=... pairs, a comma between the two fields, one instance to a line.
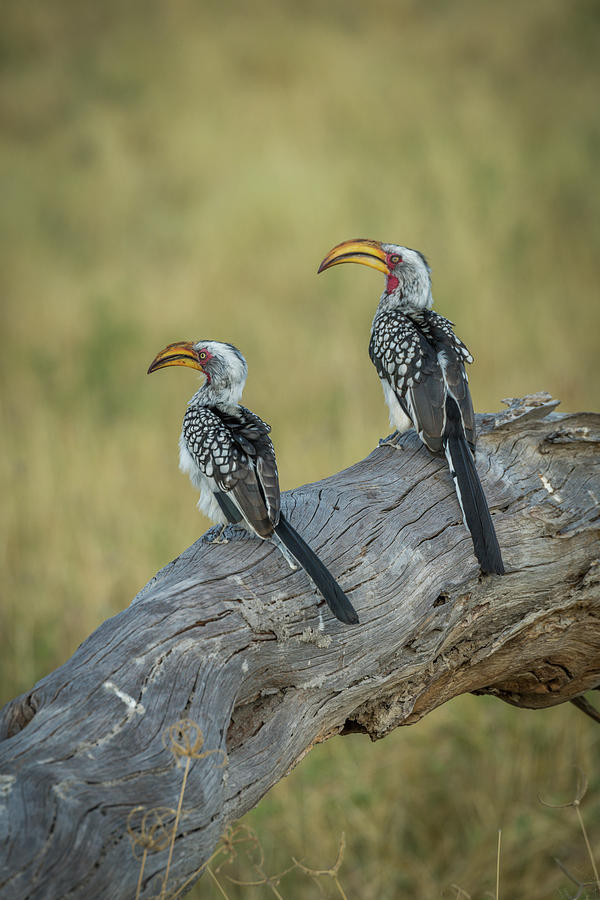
x=395, y=259
x=202, y=354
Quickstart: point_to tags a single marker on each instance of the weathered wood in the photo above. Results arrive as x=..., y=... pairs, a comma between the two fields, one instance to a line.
x=228, y=636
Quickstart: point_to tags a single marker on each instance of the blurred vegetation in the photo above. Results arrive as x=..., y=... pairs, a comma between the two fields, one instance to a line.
x=176, y=170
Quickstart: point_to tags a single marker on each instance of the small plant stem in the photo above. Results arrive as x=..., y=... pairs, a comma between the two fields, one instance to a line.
x=340, y=888
x=587, y=844
x=275, y=891
x=498, y=865
x=163, y=892
x=216, y=881
x=266, y=880
x=139, y=884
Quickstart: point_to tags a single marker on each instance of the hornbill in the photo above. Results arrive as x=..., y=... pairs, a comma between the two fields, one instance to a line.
x=227, y=453
x=421, y=364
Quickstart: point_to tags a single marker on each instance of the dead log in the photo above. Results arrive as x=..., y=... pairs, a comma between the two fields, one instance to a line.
x=229, y=637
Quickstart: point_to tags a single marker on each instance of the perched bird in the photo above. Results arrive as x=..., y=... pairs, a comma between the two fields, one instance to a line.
x=227, y=453
x=421, y=364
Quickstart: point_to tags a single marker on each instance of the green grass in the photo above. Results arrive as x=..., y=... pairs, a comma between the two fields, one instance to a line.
x=178, y=170
x=421, y=809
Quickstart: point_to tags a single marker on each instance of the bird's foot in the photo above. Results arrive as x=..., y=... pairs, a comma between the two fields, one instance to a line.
x=219, y=538
x=392, y=440
x=291, y=562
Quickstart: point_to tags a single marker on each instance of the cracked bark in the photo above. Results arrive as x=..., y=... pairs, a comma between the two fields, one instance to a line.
x=231, y=638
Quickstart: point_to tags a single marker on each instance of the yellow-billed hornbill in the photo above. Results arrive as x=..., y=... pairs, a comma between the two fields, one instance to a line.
x=421, y=364
x=227, y=453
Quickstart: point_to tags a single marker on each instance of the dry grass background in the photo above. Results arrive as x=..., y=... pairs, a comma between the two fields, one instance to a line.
x=177, y=170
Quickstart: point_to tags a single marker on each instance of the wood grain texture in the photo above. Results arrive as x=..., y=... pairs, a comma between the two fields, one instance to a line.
x=229, y=636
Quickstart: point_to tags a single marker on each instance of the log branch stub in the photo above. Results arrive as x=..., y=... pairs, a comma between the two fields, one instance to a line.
x=227, y=636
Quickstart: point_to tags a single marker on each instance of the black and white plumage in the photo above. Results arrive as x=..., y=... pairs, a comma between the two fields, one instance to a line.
x=421, y=364
x=227, y=453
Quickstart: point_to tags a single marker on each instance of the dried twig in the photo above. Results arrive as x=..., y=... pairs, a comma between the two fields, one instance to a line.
x=582, y=786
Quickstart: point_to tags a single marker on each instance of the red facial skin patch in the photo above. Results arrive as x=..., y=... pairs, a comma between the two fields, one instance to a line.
x=203, y=362
x=392, y=283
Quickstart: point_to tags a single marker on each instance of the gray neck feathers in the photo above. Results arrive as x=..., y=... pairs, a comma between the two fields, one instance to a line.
x=211, y=394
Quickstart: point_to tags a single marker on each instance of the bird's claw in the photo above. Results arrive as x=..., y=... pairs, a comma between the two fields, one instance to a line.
x=219, y=538
x=392, y=440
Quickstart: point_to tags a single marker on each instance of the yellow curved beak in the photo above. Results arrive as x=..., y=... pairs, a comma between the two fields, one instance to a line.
x=181, y=353
x=367, y=253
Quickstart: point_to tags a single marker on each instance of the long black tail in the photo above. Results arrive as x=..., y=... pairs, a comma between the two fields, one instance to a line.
x=470, y=493
x=336, y=599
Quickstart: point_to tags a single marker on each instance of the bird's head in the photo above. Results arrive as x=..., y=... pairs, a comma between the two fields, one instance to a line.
x=408, y=278
x=223, y=365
